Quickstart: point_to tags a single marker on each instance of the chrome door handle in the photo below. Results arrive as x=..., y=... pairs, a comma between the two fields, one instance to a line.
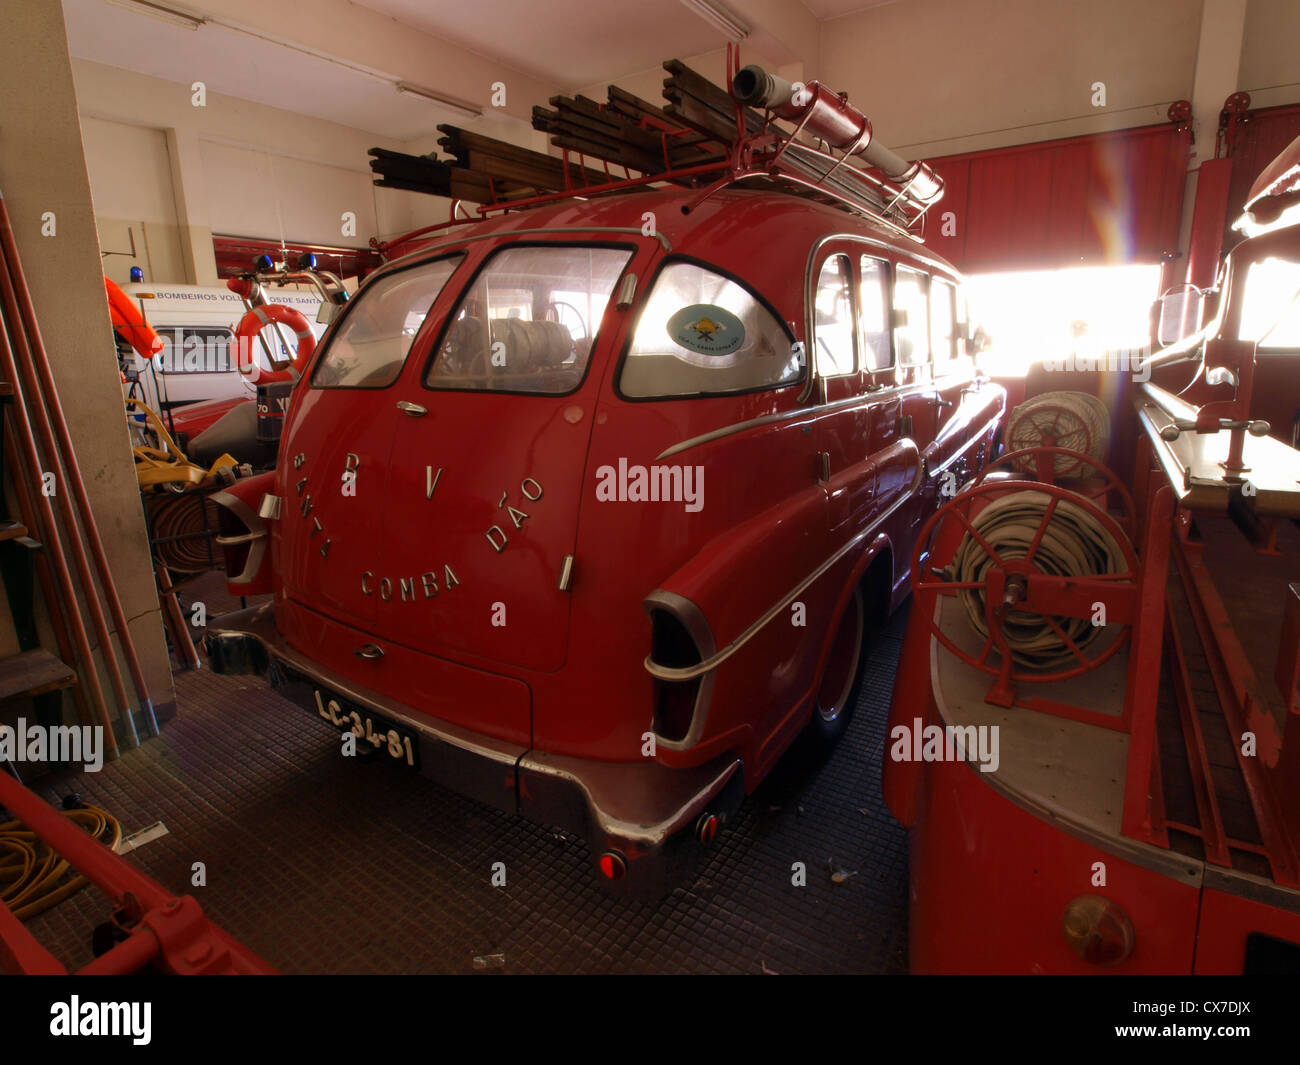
x=824, y=466
x=370, y=650
x=413, y=409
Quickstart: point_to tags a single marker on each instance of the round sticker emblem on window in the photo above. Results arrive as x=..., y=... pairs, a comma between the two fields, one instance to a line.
x=707, y=329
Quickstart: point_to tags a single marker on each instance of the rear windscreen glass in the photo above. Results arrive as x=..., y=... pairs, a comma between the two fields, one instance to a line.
x=372, y=341
x=529, y=321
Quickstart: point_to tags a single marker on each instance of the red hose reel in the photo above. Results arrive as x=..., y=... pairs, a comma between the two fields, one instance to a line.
x=1098, y=484
x=1024, y=584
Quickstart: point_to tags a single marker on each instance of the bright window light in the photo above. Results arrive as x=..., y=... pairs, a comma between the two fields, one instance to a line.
x=1083, y=312
x=1271, y=314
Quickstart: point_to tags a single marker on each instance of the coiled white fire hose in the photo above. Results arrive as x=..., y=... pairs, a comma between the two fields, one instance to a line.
x=1075, y=544
x=1076, y=420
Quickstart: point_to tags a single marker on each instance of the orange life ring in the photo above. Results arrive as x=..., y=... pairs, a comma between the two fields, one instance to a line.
x=258, y=319
x=127, y=318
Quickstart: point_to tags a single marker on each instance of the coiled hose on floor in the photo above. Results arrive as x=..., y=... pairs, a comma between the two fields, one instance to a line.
x=32, y=877
x=1074, y=544
x=182, y=527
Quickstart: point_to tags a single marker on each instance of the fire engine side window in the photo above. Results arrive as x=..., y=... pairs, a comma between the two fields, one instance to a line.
x=911, y=317
x=873, y=315
x=372, y=341
x=833, y=303
x=529, y=320
x=942, y=335
x=700, y=333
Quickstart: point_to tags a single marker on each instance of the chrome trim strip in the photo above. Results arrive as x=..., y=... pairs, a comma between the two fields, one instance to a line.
x=867, y=398
x=977, y=438
x=232, y=541
x=712, y=662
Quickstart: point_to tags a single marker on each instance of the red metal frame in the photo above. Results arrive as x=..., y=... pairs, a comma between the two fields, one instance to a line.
x=1235, y=681
x=1033, y=591
x=166, y=932
x=970, y=840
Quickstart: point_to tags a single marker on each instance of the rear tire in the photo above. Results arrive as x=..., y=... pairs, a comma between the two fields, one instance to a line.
x=843, y=675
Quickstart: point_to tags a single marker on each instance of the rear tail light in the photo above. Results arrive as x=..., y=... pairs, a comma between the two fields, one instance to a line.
x=706, y=828
x=612, y=865
x=1098, y=930
x=675, y=700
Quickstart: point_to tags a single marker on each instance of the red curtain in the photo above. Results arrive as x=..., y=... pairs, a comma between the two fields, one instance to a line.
x=1104, y=198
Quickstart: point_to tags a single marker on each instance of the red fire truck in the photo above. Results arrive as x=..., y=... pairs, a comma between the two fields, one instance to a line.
x=1094, y=736
x=585, y=507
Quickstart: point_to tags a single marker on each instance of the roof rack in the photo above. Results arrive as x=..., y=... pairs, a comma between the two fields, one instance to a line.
x=705, y=137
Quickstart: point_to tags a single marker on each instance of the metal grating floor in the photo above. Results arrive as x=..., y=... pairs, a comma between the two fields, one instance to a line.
x=323, y=865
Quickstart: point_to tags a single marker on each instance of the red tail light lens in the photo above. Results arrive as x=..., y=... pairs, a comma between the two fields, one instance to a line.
x=1098, y=930
x=612, y=865
x=706, y=829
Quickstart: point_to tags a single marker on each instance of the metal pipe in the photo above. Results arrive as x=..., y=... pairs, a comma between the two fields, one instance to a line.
x=830, y=117
x=26, y=443
x=35, y=363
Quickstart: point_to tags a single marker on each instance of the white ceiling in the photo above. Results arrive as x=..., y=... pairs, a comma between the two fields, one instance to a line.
x=825, y=9
x=569, y=42
x=235, y=64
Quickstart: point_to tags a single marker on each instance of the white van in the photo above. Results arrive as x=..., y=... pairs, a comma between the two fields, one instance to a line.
x=197, y=324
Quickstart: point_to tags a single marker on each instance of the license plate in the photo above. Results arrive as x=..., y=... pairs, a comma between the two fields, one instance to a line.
x=383, y=736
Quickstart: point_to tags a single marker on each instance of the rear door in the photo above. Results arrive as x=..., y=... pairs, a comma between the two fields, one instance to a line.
x=876, y=354
x=338, y=438
x=952, y=376
x=490, y=434
x=911, y=327
x=844, y=427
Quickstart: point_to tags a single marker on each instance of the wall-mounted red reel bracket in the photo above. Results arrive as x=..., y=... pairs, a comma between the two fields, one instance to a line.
x=1017, y=585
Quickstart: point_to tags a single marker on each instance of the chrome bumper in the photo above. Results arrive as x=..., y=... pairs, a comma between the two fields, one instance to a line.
x=644, y=812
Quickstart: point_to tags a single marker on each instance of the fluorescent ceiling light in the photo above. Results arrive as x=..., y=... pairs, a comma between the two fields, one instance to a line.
x=450, y=103
x=175, y=16
x=719, y=18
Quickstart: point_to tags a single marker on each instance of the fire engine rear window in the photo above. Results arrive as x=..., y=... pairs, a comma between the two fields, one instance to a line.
x=372, y=342
x=703, y=334
x=529, y=321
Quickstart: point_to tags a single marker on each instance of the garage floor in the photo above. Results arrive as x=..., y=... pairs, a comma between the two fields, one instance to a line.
x=322, y=865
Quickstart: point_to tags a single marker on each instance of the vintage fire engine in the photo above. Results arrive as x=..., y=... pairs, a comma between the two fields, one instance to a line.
x=585, y=507
x=1097, y=751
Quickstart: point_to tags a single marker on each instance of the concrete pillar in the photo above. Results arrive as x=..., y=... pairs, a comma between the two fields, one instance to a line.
x=1218, y=58
x=197, y=253
x=42, y=169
